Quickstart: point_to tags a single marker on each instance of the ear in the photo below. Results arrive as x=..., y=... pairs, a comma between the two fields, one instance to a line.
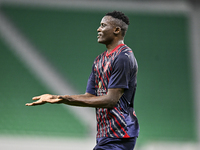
x=117, y=30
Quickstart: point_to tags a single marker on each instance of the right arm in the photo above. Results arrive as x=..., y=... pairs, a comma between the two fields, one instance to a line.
x=86, y=100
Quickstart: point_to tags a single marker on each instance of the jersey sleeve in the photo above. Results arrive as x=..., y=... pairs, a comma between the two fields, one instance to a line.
x=91, y=83
x=121, y=72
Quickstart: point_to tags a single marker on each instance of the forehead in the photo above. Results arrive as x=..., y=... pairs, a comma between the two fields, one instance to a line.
x=107, y=20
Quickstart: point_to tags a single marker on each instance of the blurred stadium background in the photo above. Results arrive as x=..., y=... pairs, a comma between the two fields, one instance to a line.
x=49, y=46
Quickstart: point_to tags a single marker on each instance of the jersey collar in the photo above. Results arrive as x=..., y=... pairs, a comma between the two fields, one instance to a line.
x=114, y=50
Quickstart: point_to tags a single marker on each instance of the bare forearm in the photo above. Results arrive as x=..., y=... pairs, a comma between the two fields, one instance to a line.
x=88, y=101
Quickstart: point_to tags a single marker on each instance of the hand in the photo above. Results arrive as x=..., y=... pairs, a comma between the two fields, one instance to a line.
x=46, y=98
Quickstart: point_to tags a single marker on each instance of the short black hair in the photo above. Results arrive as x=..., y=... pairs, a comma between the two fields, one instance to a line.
x=119, y=15
x=120, y=20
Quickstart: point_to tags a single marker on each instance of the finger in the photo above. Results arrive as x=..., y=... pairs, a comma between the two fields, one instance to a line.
x=29, y=104
x=36, y=97
x=35, y=103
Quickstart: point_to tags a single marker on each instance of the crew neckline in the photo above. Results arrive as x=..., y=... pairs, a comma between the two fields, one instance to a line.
x=115, y=49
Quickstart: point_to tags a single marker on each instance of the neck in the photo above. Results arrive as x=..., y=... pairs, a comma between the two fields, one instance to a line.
x=111, y=46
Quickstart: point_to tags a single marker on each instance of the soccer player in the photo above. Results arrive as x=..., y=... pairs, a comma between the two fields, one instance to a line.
x=110, y=89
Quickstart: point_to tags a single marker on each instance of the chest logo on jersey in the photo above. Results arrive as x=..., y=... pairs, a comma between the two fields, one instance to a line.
x=101, y=90
x=99, y=85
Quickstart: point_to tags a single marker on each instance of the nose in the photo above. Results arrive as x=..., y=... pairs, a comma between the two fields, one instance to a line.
x=98, y=30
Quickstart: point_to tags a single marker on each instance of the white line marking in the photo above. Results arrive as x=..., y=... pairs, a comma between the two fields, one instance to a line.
x=195, y=64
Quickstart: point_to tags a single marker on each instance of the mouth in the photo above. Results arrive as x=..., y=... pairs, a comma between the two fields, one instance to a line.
x=99, y=35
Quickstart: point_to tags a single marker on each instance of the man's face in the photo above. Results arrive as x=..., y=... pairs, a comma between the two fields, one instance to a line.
x=106, y=31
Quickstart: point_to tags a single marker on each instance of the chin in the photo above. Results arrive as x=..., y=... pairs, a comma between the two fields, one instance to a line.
x=100, y=41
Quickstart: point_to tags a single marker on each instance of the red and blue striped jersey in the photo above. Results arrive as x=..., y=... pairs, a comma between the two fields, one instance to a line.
x=118, y=69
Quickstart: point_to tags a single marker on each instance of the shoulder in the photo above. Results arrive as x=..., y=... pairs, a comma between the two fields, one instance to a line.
x=125, y=56
x=125, y=53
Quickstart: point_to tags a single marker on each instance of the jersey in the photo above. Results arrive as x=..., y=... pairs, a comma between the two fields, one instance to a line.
x=117, y=69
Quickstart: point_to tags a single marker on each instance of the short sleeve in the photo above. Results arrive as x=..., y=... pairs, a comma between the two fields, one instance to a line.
x=120, y=75
x=91, y=83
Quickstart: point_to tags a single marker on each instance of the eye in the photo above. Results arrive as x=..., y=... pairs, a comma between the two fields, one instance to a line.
x=103, y=25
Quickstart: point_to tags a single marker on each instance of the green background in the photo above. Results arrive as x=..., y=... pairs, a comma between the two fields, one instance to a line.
x=164, y=100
